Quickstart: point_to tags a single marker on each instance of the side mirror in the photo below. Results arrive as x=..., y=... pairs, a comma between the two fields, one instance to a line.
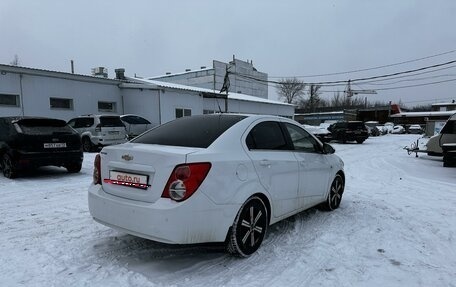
x=328, y=149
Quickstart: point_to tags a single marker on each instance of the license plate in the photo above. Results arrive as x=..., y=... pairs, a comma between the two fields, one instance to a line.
x=54, y=145
x=128, y=179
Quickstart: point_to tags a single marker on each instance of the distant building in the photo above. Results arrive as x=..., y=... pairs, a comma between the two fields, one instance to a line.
x=244, y=78
x=318, y=118
x=442, y=107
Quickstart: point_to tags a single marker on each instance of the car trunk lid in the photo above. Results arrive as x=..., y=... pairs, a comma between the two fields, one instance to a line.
x=140, y=171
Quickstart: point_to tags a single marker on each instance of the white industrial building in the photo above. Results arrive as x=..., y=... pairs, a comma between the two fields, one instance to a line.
x=35, y=92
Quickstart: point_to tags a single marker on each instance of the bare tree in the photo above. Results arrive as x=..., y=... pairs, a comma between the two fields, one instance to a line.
x=314, y=97
x=291, y=90
x=15, y=61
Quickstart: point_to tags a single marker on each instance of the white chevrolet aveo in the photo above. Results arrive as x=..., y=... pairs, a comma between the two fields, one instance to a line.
x=214, y=178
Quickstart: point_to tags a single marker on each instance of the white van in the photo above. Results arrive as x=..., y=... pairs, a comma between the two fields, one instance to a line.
x=446, y=135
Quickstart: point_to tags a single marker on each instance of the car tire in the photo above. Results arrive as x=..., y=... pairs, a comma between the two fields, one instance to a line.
x=74, y=167
x=359, y=141
x=335, y=194
x=249, y=228
x=87, y=145
x=8, y=166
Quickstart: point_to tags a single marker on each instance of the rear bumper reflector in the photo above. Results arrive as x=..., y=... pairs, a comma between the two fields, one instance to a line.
x=126, y=183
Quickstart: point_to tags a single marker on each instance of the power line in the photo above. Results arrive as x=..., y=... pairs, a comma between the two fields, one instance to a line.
x=416, y=85
x=410, y=80
x=411, y=75
x=370, y=69
x=326, y=83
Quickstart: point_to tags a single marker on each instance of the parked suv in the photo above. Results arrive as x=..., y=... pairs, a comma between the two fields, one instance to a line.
x=349, y=131
x=30, y=142
x=99, y=130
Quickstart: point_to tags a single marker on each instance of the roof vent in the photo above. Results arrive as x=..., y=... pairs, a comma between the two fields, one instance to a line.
x=168, y=73
x=101, y=72
x=187, y=70
x=203, y=67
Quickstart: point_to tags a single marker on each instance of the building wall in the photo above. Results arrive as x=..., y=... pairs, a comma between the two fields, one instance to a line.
x=213, y=78
x=35, y=93
x=10, y=85
x=142, y=102
x=170, y=100
x=238, y=84
x=245, y=107
x=201, y=79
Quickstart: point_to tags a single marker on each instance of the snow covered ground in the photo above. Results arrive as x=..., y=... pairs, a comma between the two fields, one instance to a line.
x=396, y=226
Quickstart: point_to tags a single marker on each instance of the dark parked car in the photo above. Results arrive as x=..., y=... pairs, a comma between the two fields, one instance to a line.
x=135, y=125
x=31, y=142
x=349, y=131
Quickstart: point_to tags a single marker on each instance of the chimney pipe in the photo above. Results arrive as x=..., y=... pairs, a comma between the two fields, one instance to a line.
x=72, y=66
x=120, y=73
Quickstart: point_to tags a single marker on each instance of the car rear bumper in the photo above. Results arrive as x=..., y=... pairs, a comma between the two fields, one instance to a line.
x=196, y=220
x=100, y=141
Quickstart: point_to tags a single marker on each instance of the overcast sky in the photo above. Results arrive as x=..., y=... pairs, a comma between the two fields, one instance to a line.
x=282, y=38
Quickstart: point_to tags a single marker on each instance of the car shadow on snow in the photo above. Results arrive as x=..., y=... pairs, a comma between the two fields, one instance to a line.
x=47, y=172
x=154, y=260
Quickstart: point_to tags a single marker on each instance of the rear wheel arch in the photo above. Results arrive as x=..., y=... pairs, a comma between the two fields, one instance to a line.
x=249, y=227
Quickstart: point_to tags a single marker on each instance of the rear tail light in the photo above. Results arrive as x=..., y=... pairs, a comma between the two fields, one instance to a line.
x=97, y=170
x=98, y=128
x=185, y=180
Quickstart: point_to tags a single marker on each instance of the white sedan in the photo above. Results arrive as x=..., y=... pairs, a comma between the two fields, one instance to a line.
x=214, y=178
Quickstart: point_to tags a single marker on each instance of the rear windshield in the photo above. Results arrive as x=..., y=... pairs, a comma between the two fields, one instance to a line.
x=195, y=131
x=135, y=120
x=111, y=122
x=43, y=126
x=356, y=125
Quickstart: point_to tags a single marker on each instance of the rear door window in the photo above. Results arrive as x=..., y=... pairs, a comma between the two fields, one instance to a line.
x=266, y=136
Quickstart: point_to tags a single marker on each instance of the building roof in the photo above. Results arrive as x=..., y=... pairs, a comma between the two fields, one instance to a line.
x=55, y=74
x=233, y=96
x=423, y=114
x=444, y=104
x=181, y=73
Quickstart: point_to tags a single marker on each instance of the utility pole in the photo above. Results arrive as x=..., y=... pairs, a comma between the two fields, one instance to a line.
x=225, y=88
x=350, y=93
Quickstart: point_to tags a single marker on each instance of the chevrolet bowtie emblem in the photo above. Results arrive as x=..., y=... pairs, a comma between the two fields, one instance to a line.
x=127, y=157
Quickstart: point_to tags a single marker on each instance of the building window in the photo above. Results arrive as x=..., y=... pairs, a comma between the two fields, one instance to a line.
x=9, y=100
x=206, y=112
x=183, y=113
x=61, y=103
x=107, y=106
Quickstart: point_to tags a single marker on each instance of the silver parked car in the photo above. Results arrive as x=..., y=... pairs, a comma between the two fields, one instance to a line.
x=98, y=131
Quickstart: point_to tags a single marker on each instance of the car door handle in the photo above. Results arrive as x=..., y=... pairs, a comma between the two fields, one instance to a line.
x=302, y=163
x=265, y=162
